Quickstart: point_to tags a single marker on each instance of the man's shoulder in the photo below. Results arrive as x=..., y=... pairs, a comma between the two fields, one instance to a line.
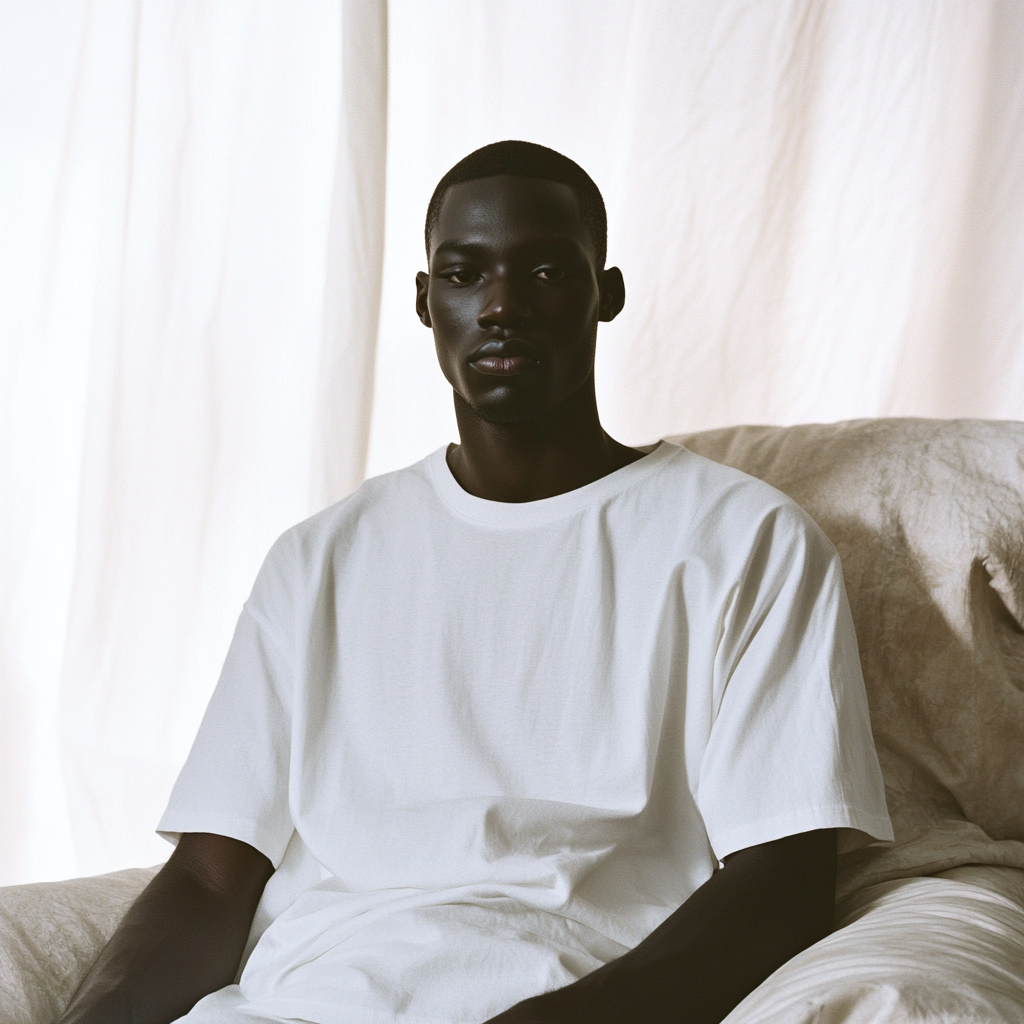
x=375, y=504
x=724, y=508
x=715, y=488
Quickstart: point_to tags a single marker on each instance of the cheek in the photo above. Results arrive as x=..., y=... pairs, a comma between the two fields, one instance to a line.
x=574, y=319
x=576, y=308
x=451, y=323
x=446, y=361
x=453, y=312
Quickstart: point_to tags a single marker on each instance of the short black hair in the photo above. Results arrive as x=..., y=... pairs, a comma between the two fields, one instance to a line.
x=527, y=160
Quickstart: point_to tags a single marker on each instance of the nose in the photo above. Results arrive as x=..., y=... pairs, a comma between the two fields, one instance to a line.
x=504, y=305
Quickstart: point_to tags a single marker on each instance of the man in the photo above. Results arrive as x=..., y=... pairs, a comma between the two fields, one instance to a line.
x=541, y=729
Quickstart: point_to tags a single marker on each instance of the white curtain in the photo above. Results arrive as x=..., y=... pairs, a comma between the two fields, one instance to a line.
x=211, y=218
x=190, y=296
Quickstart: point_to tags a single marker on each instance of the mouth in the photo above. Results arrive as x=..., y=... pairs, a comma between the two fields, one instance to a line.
x=504, y=358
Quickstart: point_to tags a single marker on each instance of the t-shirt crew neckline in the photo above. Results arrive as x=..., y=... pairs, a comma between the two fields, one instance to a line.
x=544, y=510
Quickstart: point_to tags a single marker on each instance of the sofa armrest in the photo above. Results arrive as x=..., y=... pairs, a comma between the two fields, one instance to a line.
x=931, y=950
x=51, y=934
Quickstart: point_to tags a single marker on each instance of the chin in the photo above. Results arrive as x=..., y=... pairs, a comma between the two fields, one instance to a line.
x=510, y=412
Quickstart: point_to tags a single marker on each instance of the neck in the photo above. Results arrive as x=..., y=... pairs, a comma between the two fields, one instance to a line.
x=558, y=452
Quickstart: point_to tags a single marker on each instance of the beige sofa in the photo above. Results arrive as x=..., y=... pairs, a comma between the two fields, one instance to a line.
x=928, y=517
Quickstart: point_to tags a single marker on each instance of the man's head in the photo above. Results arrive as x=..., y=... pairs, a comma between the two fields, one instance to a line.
x=527, y=160
x=516, y=237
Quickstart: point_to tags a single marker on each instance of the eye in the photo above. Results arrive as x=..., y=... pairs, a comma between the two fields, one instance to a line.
x=459, y=275
x=551, y=273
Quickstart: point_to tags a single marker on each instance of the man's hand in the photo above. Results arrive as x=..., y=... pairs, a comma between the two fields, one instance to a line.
x=181, y=939
x=766, y=905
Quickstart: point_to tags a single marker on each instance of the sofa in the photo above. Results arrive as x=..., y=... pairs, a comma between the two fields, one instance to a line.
x=928, y=518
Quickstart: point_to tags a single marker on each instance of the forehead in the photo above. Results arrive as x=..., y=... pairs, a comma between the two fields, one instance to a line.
x=506, y=210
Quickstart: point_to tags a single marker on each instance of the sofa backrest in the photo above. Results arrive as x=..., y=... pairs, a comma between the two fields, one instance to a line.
x=928, y=518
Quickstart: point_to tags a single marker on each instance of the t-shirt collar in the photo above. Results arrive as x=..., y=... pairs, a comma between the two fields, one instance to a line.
x=534, y=513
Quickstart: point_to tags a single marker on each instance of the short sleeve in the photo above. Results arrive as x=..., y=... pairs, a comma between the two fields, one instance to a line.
x=235, y=779
x=790, y=747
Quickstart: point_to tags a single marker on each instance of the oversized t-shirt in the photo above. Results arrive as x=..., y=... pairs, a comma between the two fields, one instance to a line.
x=496, y=744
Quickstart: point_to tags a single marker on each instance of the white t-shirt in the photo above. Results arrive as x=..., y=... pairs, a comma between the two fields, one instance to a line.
x=501, y=742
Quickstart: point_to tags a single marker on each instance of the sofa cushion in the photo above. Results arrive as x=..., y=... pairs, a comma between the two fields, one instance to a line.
x=928, y=517
x=50, y=935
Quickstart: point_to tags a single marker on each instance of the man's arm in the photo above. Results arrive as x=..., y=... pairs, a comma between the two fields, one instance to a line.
x=766, y=905
x=182, y=938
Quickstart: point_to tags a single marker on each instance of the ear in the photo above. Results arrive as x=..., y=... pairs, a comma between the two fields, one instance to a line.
x=613, y=293
x=422, y=287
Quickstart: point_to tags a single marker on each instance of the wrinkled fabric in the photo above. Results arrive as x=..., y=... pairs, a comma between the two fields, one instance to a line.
x=943, y=950
x=192, y=208
x=910, y=951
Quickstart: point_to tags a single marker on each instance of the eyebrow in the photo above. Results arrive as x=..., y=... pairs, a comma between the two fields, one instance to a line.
x=460, y=249
x=451, y=248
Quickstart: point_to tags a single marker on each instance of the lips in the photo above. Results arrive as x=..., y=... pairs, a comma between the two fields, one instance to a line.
x=504, y=358
x=503, y=366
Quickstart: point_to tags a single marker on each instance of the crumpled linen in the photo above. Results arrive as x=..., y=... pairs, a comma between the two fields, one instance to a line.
x=943, y=950
x=928, y=517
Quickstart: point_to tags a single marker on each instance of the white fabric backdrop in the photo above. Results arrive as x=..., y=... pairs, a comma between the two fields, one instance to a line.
x=190, y=294
x=818, y=208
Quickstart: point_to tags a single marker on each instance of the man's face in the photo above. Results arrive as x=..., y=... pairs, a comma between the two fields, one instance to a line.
x=513, y=296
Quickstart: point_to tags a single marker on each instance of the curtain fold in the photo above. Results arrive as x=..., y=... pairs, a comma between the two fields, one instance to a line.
x=224, y=312
x=354, y=258
x=211, y=221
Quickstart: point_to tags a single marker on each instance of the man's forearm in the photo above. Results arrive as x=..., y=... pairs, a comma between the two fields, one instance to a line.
x=181, y=939
x=767, y=904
